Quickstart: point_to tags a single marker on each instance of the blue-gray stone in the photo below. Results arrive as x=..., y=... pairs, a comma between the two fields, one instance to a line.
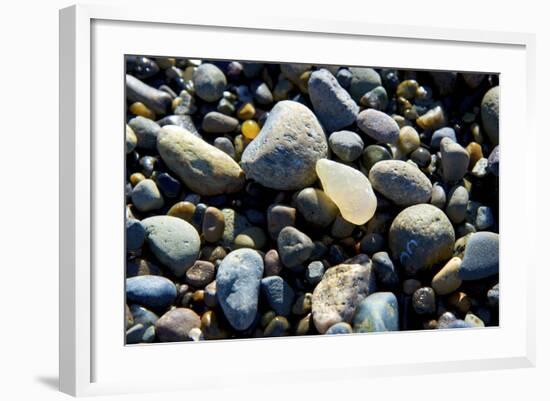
x=168, y=185
x=493, y=295
x=480, y=257
x=140, y=334
x=384, y=269
x=438, y=135
x=484, y=218
x=294, y=246
x=238, y=286
x=174, y=242
x=363, y=80
x=375, y=99
x=209, y=82
x=314, y=272
x=332, y=104
x=138, y=91
x=377, y=312
x=378, y=125
x=183, y=121
x=344, y=77
x=490, y=113
x=493, y=161
x=347, y=145
x=153, y=292
x=143, y=315
x=340, y=328
x=146, y=131
x=146, y=196
x=135, y=234
x=278, y=293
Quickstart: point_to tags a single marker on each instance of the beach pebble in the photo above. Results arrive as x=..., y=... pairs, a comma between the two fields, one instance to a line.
x=378, y=125
x=200, y=274
x=173, y=241
x=225, y=145
x=341, y=228
x=332, y=104
x=302, y=306
x=372, y=243
x=422, y=157
x=493, y=295
x=376, y=98
x=475, y=152
x=340, y=328
x=421, y=236
x=277, y=327
x=203, y=168
x=272, y=263
x=339, y=293
x=344, y=77
x=176, y=325
x=363, y=80
x=279, y=217
x=424, y=301
x=138, y=91
x=211, y=326
x=480, y=168
x=278, y=294
x=316, y=207
x=141, y=267
x=143, y=315
x=401, y=182
x=484, y=218
x=140, y=334
x=473, y=321
x=135, y=234
x=146, y=196
x=454, y=160
x=251, y=237
x=153, y=292
x=314, y=272
x=213, y=224
x=480, y=257
x=294, y=246
x=131, y=139
x=349, y=189
x=238, y=286
x=209, y=82
x=438, y=135
x=493, y=161
x=347, y=145
x=284, y=154
x=384, y=269
x=219, y=123
x=490, y=113
x=377, y=312
x=438, y=198
x=458, y=202
x=433, y=119
x=408, y=140
x=146, y=132
x=373, y=154
x=447, y=279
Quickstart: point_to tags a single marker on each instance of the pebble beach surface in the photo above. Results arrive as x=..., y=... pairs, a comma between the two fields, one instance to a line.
x=269, y=200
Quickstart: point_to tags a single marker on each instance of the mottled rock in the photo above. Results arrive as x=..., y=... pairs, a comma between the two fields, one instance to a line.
x=200, y=274
x=377, y=312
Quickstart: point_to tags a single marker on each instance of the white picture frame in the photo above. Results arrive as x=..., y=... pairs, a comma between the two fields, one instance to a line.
x=92, y=38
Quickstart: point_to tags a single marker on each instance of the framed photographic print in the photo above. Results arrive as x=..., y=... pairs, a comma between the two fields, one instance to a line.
x=264, y=190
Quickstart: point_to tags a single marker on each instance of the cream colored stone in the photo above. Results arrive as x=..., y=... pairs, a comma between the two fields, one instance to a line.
x=446, y=280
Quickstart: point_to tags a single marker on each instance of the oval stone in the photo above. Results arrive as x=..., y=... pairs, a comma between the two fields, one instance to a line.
x=481, y=258
x=316, y=207
x=153, y=292
x=378, y=125
x=490, y=113
x=176, y=325
x=377, y=312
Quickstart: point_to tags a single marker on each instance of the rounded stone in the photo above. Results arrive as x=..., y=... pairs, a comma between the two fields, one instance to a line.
x=475, y=152
x=484, y=218
x=284, y=154
x=341, y=228
x=363, y=80
x=314, y=272
x=182, y=210
x=153, y=292
x=339, y=293
x=219, y=123
x=332, y=104
x=302, y=306
x=143, y=315
x=173, y=241
x=447, y=279
x=347, y=145
x=384, y=269
x=225, y=145
x=203, y=168
x=493, y=161
x=377, y=312
x=278, y=294
x=457, y=205
x=316, y=207
x=176, y=325
x=252, y=237
x=493, y=295
x=432, y=119
x=372, y=243
x=424, y=301
x=422, y=157
x=439, y=197
x=481, y=257
x=200, y=274
x=408, y=140
x=277, y=327
x=420, y=237
x=272, y=263
x=454, y=160
x=146, y=132
x=209, y=82
x=294, y=246
x=438, y=135
x=490, y=113
x=340, y=328
x=349, y=189
x=211, y=326
x=376, y=98
x=213, y=224
x=135, y=234
x=131, y=139
x=401, y=182
x=279, y=217
x=373, y=154
x=146, y=196
x=378, y=125
x=238, y=286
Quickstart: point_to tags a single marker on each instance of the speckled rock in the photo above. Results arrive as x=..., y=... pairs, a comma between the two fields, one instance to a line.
x=153, y=292
x=332, y=104
x=295, y=247
x=347, y=145
x=202, y=167
x=238, y=286
x=401, y=182
x=278, y=294
x=421, y=236
x=146, y=196
x=481, y=258
x=173, y=241
x=490, y=113
x=378, y=125
x=338, y=294
x=377, y=312
x=209, y=82
x=316, y=207
x=176, y=325
x=284, y=154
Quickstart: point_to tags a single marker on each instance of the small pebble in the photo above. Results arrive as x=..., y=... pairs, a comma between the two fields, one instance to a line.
x=294, y=246
x=424, y=301
x=314, y=272
x=347, y=145
x=146, y=196
x=340, y=328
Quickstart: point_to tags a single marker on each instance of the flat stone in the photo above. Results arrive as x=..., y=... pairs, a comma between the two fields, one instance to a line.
x=378, y=125
x=481, y=257
x=349, y=189
x=153, y=292
x=278, y=294
x=200, y=274
x=377, y=312
x=219, y=123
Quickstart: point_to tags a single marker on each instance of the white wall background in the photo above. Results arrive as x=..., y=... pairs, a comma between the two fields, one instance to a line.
x=29, y=198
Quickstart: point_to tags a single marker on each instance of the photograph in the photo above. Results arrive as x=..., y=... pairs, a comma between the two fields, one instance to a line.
x=272, y=199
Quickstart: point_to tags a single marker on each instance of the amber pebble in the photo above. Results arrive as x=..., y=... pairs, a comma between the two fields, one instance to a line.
x=250, y=129
x=211, y=327
x=239, y=146
x=460, y=301
x=213, y=224
x=476, y=133
x=304, y=326
x=165, y=62
x=303, y=83
x=135, y=178
x=277, y=327
x=184, y=210
x=407, y=89
x=475, y=152
x=246, y=112
x=139, y=109
x=198, y=296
